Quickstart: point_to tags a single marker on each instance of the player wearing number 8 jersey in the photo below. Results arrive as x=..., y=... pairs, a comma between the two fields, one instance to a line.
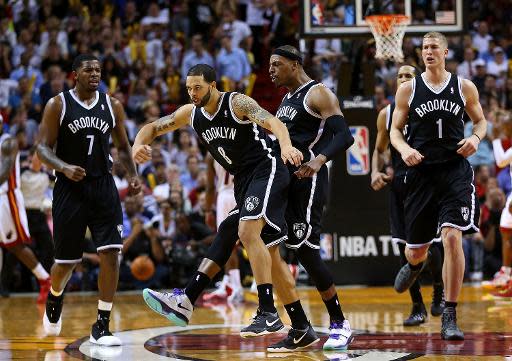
x=231, y=127
x=79, y=123
x=439, y=181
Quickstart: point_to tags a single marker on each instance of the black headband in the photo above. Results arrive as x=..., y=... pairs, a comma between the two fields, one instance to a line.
x=288, y=55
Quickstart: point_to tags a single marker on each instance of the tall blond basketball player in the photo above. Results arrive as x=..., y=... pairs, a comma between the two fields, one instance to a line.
x=221, y=183
x=14, y=233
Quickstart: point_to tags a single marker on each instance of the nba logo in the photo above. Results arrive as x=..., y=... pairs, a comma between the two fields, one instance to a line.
x=317, y=16
x=358, y=155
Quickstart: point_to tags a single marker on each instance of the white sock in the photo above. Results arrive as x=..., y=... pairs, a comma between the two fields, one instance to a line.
x=104, y=306
x=55, y=293
x=234, y=277
x=40, y=272
x=507, y=270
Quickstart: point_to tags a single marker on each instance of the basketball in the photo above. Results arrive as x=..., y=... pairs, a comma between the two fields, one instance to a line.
x=142, y=268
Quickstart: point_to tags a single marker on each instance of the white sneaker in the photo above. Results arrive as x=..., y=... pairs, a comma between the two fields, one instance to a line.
x=236, y=297
x=219, y=294
x=500, y=280
x=174, y=306
x=340, y=336
x=101, y=335
x=51, y=329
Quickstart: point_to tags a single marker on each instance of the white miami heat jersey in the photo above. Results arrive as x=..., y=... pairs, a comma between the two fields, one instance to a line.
x=224, y=180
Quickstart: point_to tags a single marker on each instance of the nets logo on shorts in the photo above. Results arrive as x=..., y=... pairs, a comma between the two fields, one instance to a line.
x=299, y=229
x=358, y=155
x=120, y=229
x=251, y=203
x=465, y=212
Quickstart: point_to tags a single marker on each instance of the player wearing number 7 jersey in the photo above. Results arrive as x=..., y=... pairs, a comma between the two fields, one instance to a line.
x=79, y=124
x=439, y=181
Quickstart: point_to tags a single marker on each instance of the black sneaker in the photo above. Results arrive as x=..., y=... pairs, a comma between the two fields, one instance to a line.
x=437, y=306
x=262, y=324
x=406, y=277
x=449, y=329
x=52, y=320
x=418, y=315
x=296, y=340
x=101, y=335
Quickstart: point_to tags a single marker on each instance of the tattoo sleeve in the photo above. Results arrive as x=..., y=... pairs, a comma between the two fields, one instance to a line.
x=165, y=124
x=248, y=106
x=48, y=156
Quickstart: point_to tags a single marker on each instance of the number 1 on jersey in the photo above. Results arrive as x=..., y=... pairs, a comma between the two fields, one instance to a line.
x=440, y=127
x=91, y=142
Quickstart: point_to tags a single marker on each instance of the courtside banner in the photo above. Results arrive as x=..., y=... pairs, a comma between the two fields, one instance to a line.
x=356, y=241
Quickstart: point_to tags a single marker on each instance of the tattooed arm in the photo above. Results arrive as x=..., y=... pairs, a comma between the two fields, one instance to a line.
x=48, y=133
x=141, y=151
x=9, y=151
x=246, y=107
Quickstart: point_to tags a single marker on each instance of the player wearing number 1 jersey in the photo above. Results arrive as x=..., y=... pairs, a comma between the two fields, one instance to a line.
x=439, y=179
x=79, y=124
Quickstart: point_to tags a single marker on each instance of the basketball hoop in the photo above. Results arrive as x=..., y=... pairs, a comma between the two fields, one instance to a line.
x=388, y=31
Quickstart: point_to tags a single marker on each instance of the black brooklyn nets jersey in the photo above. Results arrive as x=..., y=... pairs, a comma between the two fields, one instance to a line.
x=399, y=167
x=304, y=125
x=435, y=119
x=236, y=144
x=84, y=133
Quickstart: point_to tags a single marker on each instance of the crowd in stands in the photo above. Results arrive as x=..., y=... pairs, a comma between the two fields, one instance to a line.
x=146, y=48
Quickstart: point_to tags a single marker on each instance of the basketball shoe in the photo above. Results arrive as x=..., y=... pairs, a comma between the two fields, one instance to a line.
x=449, y=329
x=263, y=323
x=44, y=288
x=175, y=306
x=52, y=320
x=406, y=277
x=500, y=280
x=295, y=340
x=437, y=306
x=340, y=336
x=220, y=294
x=418, y=315
x=504, y=294
x=101, y=335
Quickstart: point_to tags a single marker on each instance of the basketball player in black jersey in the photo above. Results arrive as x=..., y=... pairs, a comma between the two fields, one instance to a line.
x=230, y=126
x=79, y=123
x=317, y=128
x=439, y=180
x=396, y=208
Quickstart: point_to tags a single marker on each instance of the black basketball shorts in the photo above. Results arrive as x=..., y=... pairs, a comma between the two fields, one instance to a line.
x=92, y=203
x=396, y=209
x=440, y=196
x=261, y=192
x=306, y=200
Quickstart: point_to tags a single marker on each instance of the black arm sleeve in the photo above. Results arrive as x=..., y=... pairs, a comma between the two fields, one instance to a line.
x=342, y=138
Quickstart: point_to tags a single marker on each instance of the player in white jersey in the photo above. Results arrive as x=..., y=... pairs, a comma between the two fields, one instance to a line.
x=503, y=279
x=14, y=233
x=221, y=181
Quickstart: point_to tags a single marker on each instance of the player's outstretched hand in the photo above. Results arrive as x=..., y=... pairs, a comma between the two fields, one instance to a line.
x=379, y=180
x=412, y=157
x=292, y=155
x=134, y=187
x=141, y=153
x=309, y=169
x=74, y=172
x=468, y=146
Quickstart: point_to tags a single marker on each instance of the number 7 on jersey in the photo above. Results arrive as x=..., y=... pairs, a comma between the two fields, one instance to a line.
x=91, y=142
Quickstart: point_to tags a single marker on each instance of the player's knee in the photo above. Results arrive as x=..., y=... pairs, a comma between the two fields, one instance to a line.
x=415, y=255
x=245, y=233
x=451, y=237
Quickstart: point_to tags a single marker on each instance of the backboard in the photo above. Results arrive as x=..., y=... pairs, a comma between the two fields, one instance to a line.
x=347, y=18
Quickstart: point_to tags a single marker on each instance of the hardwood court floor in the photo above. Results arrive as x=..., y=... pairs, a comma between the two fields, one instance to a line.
x=376, y=315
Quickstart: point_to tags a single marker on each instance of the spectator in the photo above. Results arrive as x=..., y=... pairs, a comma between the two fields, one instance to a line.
x=235, y=29
x=481, y=38
x=34, y=76
x=233, y=67
x=196, y=55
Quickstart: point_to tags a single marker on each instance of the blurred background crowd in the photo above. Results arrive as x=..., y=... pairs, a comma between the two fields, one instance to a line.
x=146, y=48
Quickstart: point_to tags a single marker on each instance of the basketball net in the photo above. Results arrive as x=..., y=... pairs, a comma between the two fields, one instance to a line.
x=388, y=31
